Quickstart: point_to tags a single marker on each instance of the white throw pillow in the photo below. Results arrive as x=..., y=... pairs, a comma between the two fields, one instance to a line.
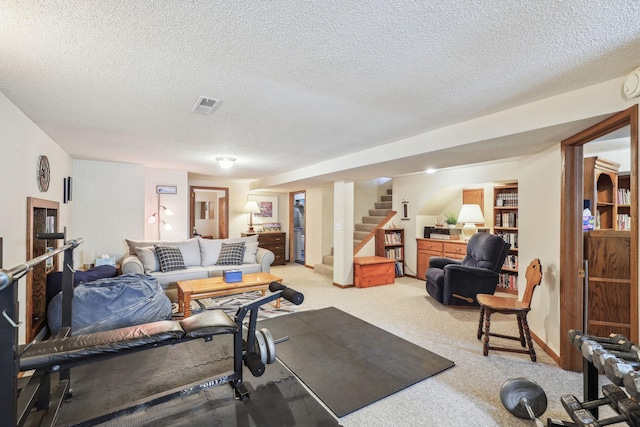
x=250, y=250
x=149, y=259
x=209, y=251
x=190, y=249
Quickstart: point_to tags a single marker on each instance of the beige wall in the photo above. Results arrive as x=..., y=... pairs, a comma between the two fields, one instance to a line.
x=21, y=143
x=539, y=237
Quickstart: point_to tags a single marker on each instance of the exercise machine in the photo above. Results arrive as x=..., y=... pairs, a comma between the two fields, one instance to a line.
x=39, y=397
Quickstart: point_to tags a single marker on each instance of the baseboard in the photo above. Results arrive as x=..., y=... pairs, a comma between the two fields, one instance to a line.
x=343, y=286
x=309, y=266
x=545, y=347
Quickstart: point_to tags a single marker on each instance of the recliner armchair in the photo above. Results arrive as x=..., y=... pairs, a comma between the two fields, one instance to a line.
x=457, y=282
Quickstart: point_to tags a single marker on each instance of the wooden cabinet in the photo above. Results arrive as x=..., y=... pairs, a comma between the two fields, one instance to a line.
x=505, y=209
x=274, y=241
x=428, y=248
x=600, y=190
x=390, y=244
x=609, y=282
x=42, y=217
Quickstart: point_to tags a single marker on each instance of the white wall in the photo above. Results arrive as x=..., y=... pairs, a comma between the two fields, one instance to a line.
x=109, y=202
x=178, y=203
x=22, y=142
x=539, y=198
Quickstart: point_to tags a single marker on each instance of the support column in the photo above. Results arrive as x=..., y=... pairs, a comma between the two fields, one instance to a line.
x=343, y=193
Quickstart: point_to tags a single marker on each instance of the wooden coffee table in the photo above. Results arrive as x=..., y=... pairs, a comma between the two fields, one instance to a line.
x=216, y=287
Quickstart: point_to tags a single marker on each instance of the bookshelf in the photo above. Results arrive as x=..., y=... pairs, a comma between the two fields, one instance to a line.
x=505, y=208
x=390, y=244
x=624, y=203
x=42, y=217
x=601, y=190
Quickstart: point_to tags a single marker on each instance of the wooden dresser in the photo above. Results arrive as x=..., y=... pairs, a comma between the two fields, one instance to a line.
x=275, y=241
x=427, y=248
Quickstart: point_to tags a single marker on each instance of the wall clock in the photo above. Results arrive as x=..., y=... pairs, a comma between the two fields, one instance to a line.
x=44, y=173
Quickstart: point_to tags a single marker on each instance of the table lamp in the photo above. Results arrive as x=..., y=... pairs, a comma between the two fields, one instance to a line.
x=470, y=215
x=251, y=208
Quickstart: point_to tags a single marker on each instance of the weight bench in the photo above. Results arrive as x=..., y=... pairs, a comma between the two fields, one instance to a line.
x=64, y=351
x=80, y=349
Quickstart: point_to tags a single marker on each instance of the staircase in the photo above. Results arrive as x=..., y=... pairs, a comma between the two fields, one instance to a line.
x=362, y=233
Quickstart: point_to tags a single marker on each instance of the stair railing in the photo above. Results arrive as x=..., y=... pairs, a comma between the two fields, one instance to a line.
x=372, y=233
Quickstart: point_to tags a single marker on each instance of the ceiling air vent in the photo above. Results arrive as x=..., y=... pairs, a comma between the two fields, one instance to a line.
x=205, y=105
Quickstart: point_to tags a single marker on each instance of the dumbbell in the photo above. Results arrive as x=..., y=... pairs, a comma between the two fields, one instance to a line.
x=524, y=399
x=600, y=355
x=631, y=382
x=627, y=350
x=628, y=411
x=613, y=396
x=615, y=369
x=577, y=338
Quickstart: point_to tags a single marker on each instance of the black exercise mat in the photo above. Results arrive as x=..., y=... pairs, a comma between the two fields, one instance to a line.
x=346, y=362
x=277, y=398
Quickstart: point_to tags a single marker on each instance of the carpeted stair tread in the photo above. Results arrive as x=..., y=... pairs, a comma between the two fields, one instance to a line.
x=386, y=198
x=327, y=259
x=372, y=219
x=379, y=212
x=383, y=205
x=360, y=235
x=365, y=227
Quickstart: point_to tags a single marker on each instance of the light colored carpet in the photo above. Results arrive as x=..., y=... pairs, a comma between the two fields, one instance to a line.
x=465, y=395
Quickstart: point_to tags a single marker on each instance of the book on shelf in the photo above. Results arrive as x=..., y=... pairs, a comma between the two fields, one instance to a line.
x=395, y=253
x=511, y=261
x=399, y=269
x=624, y=196
x=624, y=222
x=393, y=238
x=508, y=281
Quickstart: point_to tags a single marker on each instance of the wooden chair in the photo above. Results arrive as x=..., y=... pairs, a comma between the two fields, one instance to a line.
x=490, y=304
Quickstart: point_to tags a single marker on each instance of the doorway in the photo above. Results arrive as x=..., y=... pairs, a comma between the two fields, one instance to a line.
x=580, y=291
x=297, y=226
x=209, y=212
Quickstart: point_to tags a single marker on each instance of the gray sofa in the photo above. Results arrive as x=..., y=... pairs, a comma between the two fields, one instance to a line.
x=201, y=260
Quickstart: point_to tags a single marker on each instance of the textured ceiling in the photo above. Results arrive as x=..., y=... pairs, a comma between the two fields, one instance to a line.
x=301, y=82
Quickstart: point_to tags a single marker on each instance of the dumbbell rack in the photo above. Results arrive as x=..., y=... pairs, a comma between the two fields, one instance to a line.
x=590, y=377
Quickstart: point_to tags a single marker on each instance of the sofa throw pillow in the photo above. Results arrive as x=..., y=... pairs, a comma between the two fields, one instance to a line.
x=149, y=259
x=170, y=258
x=209, y=251
x=231, y=254
x=250, y=253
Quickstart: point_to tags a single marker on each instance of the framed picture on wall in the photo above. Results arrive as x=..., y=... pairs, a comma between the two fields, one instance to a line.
x=268, y=207
x=166, y=189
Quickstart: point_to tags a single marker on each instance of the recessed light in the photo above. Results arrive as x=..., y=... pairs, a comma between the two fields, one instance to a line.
x=431, y=170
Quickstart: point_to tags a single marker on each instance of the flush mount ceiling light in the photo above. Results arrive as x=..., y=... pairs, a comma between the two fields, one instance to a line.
x=205, y=105
x=225, y=162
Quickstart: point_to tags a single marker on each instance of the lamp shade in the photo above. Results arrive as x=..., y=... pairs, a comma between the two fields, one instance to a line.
x=470, y=215
x=251, y=207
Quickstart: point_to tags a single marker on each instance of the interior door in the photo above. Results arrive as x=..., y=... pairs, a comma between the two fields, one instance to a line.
x=603, y=296
x=215, y=225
